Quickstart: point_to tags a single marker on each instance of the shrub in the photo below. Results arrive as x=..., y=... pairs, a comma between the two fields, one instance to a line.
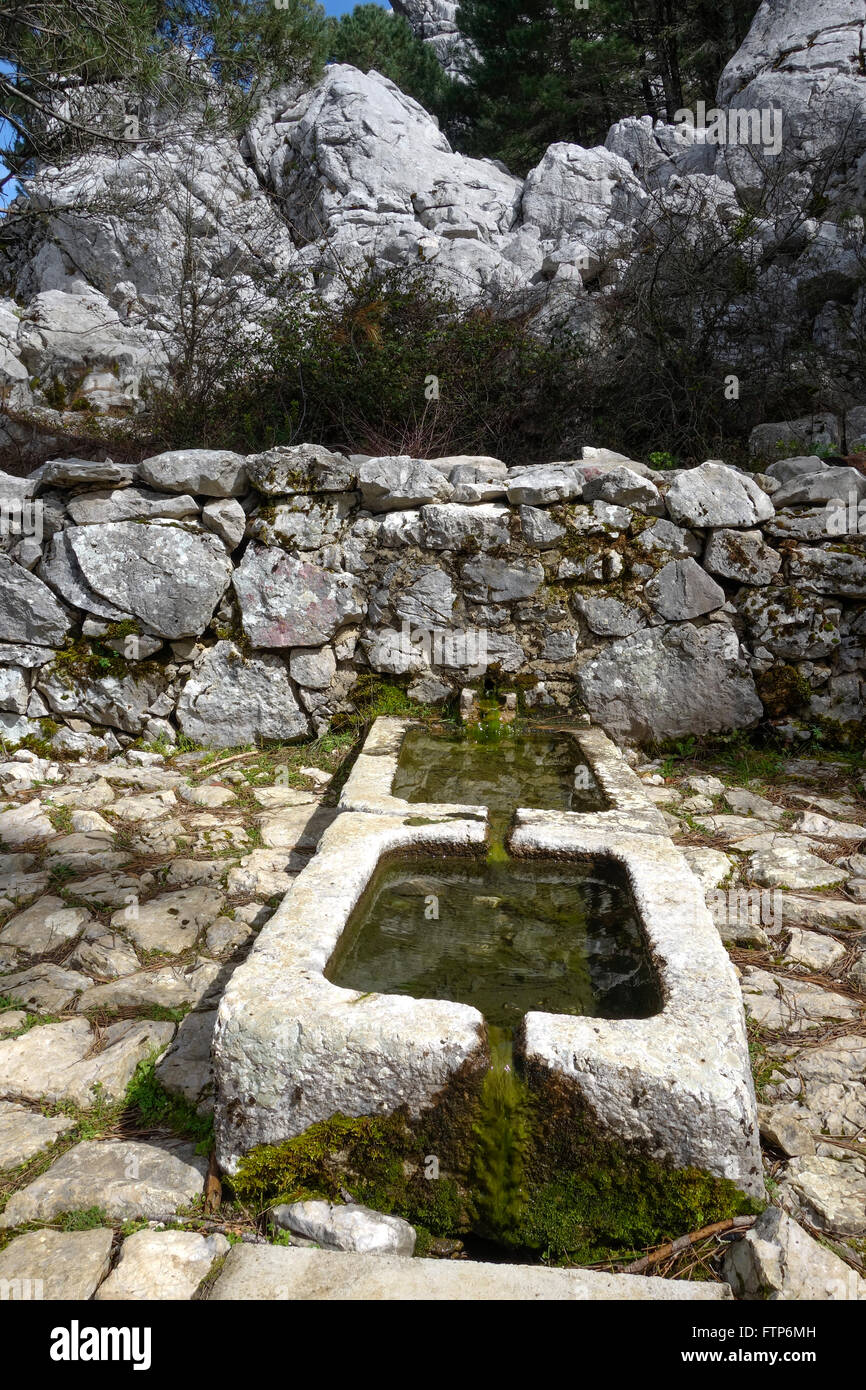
x=397, y=366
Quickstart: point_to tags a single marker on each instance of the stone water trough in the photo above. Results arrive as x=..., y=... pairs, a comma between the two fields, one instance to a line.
x=292, y=1048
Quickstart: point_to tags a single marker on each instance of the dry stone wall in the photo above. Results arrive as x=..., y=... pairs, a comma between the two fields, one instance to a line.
x=233, y=599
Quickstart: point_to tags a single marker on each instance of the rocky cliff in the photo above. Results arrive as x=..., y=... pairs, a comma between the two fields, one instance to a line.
x=353, y=171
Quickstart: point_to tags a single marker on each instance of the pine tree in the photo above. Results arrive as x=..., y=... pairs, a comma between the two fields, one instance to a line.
x=186, y=51
x=369, y=37
x=549, y=70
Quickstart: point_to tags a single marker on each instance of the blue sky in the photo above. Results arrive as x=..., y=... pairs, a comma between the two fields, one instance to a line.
x=342, y=6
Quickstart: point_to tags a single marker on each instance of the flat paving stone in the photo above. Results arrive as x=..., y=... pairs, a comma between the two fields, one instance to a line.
x=108, y=890
x=152, y=806
x=206, y=795
x=226, y=935
x=746, y=803
x=159, y=837
x=793, y=1006
x=789, y=866
x=828, y=1084
x=24, y=825
x=168, y=987
x=829, y=1192
x=822, y=827
x=46, y=988
x=16, y=888
x=103, y=953
x=835, y=913
x=125, y=1178
x=25, y=1133
x=87, y=850
x=264, y=873
x=158, y=1265
x=184, y=872
x=711, y=866
x=99, y=793
x=277, y=798
x=60, y=1265
x=172, y=922
x=186, y=1068
x=813, y=951
x=730, y=827
x=299, y=828
x=44, y=926
x=279, y=1273
x=56, y=1062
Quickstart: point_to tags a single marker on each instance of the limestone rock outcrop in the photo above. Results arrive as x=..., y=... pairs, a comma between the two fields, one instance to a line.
x=350, y=169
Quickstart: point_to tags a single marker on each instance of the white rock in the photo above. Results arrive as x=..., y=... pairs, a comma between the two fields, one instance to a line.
x=169, y=987
x=350, y=1227
x=778, y=1260
x=24, y=1133
x=663, y=683
x=391, y=484
x=44, y=926
x=543, y=485
x=63, y=1265
x=22, y=825
x=160, y=1265
x=829, y=1193
x=270, y=1272
x=211, y=472
x=227, y=519
x=47, y=989
x=186, y=1069
x=126, y=1178
x=815, y=952
x=787, y=865
x=231, y=699
x=55, y=1062
x=171, y=922
x=682, y=590
x=824, y=828
x=792, y=1006
x=741, y=555
x=714, y=495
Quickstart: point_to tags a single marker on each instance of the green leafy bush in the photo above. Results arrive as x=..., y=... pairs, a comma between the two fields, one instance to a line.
x=397, y=366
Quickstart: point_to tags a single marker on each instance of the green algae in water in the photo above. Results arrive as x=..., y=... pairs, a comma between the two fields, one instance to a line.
x=503, y=1145
x=507, y=938
x=535, y=768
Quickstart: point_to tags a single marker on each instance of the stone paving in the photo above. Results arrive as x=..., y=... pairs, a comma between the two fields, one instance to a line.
x=784, y=868
x=130, y=890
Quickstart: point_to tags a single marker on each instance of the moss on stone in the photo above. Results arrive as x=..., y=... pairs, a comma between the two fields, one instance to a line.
x=783, y=690
x=534, y=1174
x=78, y=659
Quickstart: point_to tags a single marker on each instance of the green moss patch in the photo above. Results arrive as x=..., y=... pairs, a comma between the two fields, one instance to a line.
x=525, y=1168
